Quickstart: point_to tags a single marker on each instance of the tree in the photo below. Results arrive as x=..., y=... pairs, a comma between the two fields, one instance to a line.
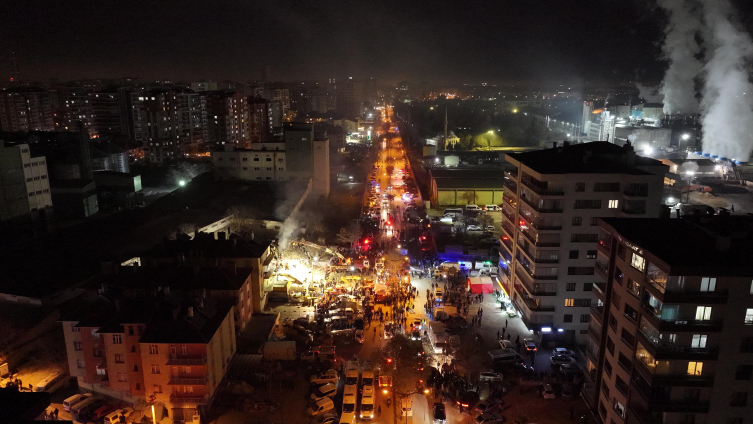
x=349, y=234
x=470, y=197
x=485, y=220
x=242, y=220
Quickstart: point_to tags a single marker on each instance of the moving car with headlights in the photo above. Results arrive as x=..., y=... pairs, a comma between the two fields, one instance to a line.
x=367, y=408
x=558, y=360
x=490, y=376
x=530, y=345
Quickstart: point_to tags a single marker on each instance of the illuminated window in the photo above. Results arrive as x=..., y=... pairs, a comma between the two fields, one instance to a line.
x=613, y=204
x=569, y=302
x=699, y=341
x=703, y=313
x=695, y=368
x=638, y=262
x=749, y=316
x=708, y=284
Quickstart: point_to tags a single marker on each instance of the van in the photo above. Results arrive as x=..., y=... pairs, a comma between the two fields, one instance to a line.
x=492, y=208
x=472, y=208
x=75, y=399
x=114, y=416
x=81, y=411
x=348, y=418
x=453, y=212
x=351, y=378
x=321, y=407
x=349, y=403
x=367, y=378
x=504, y=356
x=323, y=353
x=367, y=408
x=406, y=407
x=52, y=382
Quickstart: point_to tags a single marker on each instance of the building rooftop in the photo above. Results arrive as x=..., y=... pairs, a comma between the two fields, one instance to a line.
x=180, y=278
x=445, y=183
x=207, y=246
x=74, y=254
x=198, y=327
x=691, y=247
x=598, y=157
x=472, y=173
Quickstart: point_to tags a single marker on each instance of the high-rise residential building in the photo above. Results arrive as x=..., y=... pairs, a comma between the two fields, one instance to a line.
x=26, y=109
x=204, y=86
x=170, y=123
x=174, y=350
x=671, y=335
x=227, y=119
x=74, y=107
x=109, y=113
x=299, y=145
x=283, y=96
x=552, y=200
x=24, y=186
x=260, y=120
x=350, y=97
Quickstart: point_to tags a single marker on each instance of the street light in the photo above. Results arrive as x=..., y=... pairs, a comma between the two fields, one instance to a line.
x=685, y=136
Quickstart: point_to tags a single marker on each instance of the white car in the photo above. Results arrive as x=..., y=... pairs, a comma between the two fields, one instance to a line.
x=473, y=228
x=490, y=376
x=329, y=376
x=561, y=351
x=327, y=391
x=558, y=360
x=359, y=336
x=506, y=344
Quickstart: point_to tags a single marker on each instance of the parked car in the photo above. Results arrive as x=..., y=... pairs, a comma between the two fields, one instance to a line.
x=487, y=406
x=569, y=369
x=359, y=336
x=490, y=376
x=439, y=412
x=505, y=344
x=557, y=360
x=548, y=392
x=563, y=352
x=328, y=419
x=488, y=419
x=467, y=401
x=327, y=391
x=473, y=228
x=492, y=208
x=323, y=406
x=329, y=376
x=530, y=345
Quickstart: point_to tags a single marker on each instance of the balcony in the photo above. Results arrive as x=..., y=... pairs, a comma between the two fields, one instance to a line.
x=187, y=398
x=602, y=270
x=508, y=230
x=555, y=208
x=593, y=356
x=594, y=333
x=512, y=174
x=533, y=239
x=665, y=404
x=680, y=325
x=534, y=289
x=536, y=259
x=512, y=186
x=509, y=200
x=508, y=214
x=177, y=359
x=598, y=312
x=187, y=381
x=663, y=351
x=507, y=244
x=681, y=380
x=541, y=188
x=534, y=307
x=599, y=289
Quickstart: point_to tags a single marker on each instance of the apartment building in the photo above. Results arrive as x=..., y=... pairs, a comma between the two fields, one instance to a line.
x=227, y=119
x=173, y=350
x=261, y=120
x=74, y=108
x=26, y=109
x=551, y=202
x=672, y=330
x=24, y=183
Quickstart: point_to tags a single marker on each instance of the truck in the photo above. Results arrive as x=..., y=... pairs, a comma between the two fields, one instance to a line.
x=279, y=351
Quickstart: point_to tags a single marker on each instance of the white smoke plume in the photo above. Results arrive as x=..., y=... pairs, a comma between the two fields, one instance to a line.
x=727, y=105
x=649, y=94
x=680, y=49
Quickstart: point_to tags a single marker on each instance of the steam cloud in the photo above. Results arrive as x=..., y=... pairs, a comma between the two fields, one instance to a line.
x=680, y=48
x=727, y=105
x=727, y=94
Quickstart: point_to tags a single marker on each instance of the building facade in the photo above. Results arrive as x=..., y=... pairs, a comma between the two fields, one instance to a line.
x=179, y=358
x=227, y=119
x=24, y=183
x=551, y=202
x=26, y=109
x=671, y=338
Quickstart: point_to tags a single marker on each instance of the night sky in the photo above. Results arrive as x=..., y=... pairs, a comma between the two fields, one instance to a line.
x=565, y=41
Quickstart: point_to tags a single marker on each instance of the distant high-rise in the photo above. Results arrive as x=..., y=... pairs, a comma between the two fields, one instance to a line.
x=350, y=97
x=227, y=119
x=26, y=109
x=109, y=113
x=283, y=96
x=259, y=120
x=74, y=107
